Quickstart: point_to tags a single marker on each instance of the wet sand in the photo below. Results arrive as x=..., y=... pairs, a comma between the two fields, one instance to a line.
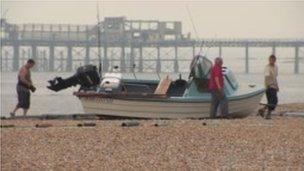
x=242, y=144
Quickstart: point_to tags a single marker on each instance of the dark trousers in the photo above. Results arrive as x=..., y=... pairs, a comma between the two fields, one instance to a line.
x=272, y=98
x=218, y=99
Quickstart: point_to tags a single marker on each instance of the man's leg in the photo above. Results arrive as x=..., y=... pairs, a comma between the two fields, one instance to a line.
x=18, y=106
x=24, y=111
x=214, y=104
x=269, y=98
x=275, y=98
x=262, y=110
x=13, y=113
x=224, y=105
x=272, y=101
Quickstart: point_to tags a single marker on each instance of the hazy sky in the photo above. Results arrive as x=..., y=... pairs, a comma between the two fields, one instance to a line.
x=221, y=19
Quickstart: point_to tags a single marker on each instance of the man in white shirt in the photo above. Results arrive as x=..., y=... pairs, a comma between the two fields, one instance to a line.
x=271, y=85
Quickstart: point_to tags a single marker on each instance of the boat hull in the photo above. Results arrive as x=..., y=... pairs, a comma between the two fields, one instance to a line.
x=142, y=108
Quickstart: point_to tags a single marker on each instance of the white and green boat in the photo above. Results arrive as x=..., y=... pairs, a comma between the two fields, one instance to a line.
x=166, y=98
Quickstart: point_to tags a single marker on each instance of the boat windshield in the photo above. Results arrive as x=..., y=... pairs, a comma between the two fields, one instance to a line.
x=200, y=67
x=231, y=79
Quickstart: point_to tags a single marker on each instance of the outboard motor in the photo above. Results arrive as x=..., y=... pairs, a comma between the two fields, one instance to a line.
x=86, y=76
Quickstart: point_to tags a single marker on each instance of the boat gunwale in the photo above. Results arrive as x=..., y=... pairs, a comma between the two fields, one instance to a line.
x=161, y=98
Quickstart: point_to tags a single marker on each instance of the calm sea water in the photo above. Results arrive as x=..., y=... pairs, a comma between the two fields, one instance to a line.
x=45, y=101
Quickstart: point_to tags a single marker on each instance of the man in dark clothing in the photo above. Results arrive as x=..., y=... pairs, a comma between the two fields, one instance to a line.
x=216, y=86
x=24, y=86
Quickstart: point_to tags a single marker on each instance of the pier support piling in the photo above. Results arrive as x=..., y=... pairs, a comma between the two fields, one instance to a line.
x=6, y=67
x=193, y=51
x=140, y=65
x=246, y=59
x=296, y=67
x=87, y=56
x=273, y=50
x=23, y=54
x=16, y=57
x=105, y=62
x=61, y=68
x=69, y=59
x=132, y=61
x=45, y=62
x=122, y=59
x=158, y=62
x=176, y=68
x=52, y=58
x=34, y=57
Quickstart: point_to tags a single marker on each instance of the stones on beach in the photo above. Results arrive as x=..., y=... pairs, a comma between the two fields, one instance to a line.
x=295, y=114
x=86, y=124
x=158, y=124
x=204, y=123
x=241, y=144
x=43, y=125
x=130, y=124
x=85, y=116
x=7, y=126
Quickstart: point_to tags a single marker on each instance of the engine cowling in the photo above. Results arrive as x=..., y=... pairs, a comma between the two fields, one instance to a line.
x=86, y=76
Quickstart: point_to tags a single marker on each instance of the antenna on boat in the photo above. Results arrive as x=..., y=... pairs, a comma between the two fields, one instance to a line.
x=98, y=40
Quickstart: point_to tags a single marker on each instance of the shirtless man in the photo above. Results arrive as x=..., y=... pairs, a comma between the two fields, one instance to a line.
x=24, y=86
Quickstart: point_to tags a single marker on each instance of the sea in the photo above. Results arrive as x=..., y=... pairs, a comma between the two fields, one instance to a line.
x=45, y=101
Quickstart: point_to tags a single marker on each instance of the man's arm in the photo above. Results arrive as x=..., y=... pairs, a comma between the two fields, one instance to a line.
x=22, y=75
x=217, y=82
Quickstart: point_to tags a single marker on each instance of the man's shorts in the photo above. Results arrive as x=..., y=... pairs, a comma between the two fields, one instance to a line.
x=23, y=97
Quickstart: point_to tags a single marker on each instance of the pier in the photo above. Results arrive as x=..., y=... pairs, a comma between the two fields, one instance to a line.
x=151, y=45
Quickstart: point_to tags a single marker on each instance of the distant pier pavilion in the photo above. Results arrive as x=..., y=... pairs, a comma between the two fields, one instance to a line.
x=151, y=45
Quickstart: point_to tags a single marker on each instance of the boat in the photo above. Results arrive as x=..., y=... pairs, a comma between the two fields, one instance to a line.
x=115, y=96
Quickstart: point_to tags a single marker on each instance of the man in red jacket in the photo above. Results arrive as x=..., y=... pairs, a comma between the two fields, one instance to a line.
x=216, y=86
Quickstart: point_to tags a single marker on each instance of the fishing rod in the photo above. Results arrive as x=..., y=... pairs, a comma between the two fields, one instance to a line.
x=196, y=33
x=195, y=30
x=98, y=41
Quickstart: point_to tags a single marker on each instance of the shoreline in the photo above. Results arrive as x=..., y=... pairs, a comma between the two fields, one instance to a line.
x=252, y=143
x=281, y=109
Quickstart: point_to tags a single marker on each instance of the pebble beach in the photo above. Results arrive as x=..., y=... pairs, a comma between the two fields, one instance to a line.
x=252, y=143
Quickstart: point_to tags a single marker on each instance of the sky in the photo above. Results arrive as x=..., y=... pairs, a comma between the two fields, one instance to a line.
x=212, y=19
